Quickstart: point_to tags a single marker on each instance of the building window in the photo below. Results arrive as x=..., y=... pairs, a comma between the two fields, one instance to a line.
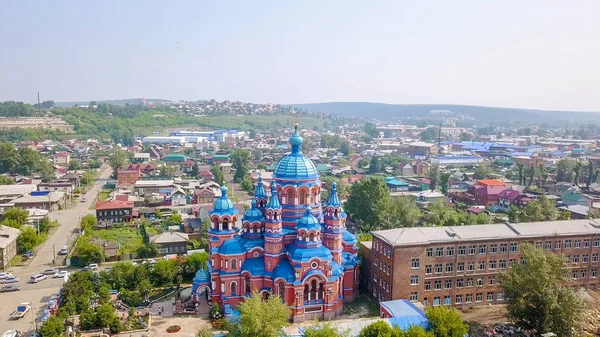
x=595, y=257
x=425, y=302
x=482, y=249
x=460, y=267
x=247, y=283
x=414, y=279
x=594, y=272
x=491, y=280
x=482, y=265
x=490, y=296
x=493, y=248
x=428, y=269
x=449, y=267
x=596, y=242
x=568, y=258
x=583, y=273
x=576, y=258
x=469, y=282
x=577, y=243
x=585, y=258
x=469, y=298
x=233, y=263
x=447, y=300
x=437, y=285
x=472, y=250
x=503, y=248
x=458, y=299
x=478, y=297
x=480, y=282
x=514, y=247
x=427, y=285
x=415, y=264
x=548, y=245
x=436, y=301
x=500, y=296
x=429, y=252
x=586, y=243
x=574, y=274
x=439, y=252
x=557, y=244
x=523, y=261
x=439, y=268
x=233, y=286
x=448, y=284
x=460, y=283
x=462, y=250
x=471, y=266
x=302, y=197
x=568, y=243
x=502, y=264
x=414, y=296
x=450, y=251
x=538, y=244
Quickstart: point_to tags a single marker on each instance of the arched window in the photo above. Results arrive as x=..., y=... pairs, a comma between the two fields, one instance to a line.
x=247, y=284
x=336, y=212
x=233, y=263
x=306, y=293
x=311, y=237
x=276, y=216
x=313, y=198
x=225, y=224
x=313, y=290
x=233, y=287
x=303, y=236
x=302, y=197
x=321, y=291
x=281, y=291
x=290, y=197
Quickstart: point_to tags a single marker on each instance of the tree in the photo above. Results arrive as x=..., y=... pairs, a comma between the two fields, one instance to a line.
x=434, y=177
x=88, y=252
x=377, y=329
x=445, y=182
x=482, y=171
x=88, y=223
x=530, y=175
x=240, y=161
x=195, y=262
x=27, y=160
x=95, y=163
x=591, y=177
x=345, y=147
x=6, y=180
x=374, y=165
x=430, y=134
x=53, y=327
x=195, y=170
x=164, y=272
x=445, y=322
x=8, y=157
x=542, y=175
x=521, y=169
x=218, y=174
x=564, y=170
x=415, y=331
x=263, y=318
x=407, y=211
x=371, y=129
x=464, y=137
x=75, y=164
x=539, y=294
x=28, y=239
x=117, y=160
x=324, y=330
x=369, y=203
x=513, y=213
x=16, y=214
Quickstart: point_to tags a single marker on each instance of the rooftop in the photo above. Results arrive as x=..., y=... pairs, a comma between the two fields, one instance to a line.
x=53, y=196
x=170, y=237
x=113, y=204
x=8, y=235
x=425, y=235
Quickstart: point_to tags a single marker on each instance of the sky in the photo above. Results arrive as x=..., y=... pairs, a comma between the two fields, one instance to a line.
x=540, y=54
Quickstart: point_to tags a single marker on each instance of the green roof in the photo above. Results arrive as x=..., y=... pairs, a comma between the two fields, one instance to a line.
x=175, y=157
x=270, y=167
x=322, y=168
x=220, y=157
x=573, y=196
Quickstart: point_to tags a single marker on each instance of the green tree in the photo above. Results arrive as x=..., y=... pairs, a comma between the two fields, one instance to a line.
x=8, y=158
x=445, y=182
x=263, y=318
x=371, y=129
x=240, y=161
x=564, y=170
x=414, y=331
x=513, y=214
x=530, y=175
x=88, y=252
x=164, y=272
x=482, y=171
x=75, y=164
x=6, y=180
x=464, y=137
x=430, y=134
x=577, y=173
x=377, y=329
x=591, y=176
x=445, y=322
x=521, y=169
x=53, y=327
x=28, y=239
x=18, y=215
x=542, y=175
x=204, y=332
x=345, y=147
x=195, y=170
x=539, y=294
x=88, y=223
x=218, y=174
x=324, y=330
x=434, y=177
x=117, y=160
x=95, y=164
x=374, y=165
x=195, y=262
x=407, y=211
x=369, y=203
x=27, y=160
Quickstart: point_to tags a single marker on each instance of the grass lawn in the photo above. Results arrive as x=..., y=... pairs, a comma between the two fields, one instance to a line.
x=103, y=195
x=129, y=239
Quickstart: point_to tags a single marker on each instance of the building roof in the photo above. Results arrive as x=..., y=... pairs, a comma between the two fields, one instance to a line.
x=169, y=237
x=223, y=205
x=295, y=165
x=490, y=182
x=17, y=189
x=577, y=209
x=404, y=313
x=8, y=235
x=53, y=196
x=154, y=183
x=427, y=235
x=175, y=157
x=113, y=204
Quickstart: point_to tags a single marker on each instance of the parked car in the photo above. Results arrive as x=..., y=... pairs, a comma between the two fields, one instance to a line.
x=64, y=250
x=107, y=269
x=10, y=288
x=11, y=279
x=37, y=278
x=28, y=253
x=60, y=273
x=93, y=266
x=4, y=275
x=50, y=271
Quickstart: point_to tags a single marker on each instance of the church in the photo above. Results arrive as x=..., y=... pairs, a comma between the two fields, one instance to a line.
x=289, y=245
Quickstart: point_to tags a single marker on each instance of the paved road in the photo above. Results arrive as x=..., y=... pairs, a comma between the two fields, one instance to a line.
x=40, y=293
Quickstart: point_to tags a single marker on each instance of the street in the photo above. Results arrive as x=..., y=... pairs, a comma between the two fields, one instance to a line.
x=40, y=293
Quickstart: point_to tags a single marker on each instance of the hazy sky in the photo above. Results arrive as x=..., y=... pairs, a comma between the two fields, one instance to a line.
x=532, y=54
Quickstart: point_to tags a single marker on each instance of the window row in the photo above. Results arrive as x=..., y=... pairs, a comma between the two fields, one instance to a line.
x=584, y=258
x=383, y=249
x=458, y=299
x=458, y=283
x=482, y=249
x=440, y=268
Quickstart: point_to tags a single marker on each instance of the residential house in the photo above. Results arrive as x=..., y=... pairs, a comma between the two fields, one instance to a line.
x=8, y=245
x=147, y=187
x=178, y=197
x=72, y=177
x=575, y=197
x=490, y=182
x=421, y=149
x=429, y=196
x=405, y=169
x=395, y=185
x=141, y=157
x=171, y=242
x=225, y=167
x=510, y=197
x=58, y=185
x=51, y=201
x=203, y=196
x=114, y=211
x=154, y=153
x=146, y=169
x=62, y=158
x=11, y=192
x=577, y=211
x=127, y=177
x=420, y=167
x=206, y=174
x=485, y=195
x=219, y=159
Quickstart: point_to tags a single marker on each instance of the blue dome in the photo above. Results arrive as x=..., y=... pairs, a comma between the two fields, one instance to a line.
x=260, y=189
x=333, y=197
x=233, y=246
x=253, y=213
x=308, y=221
x=284, y=270
x=273, y=200
x=202, y=276
x=302, y=254
x=349, y=238
x=223, y=205
x=295, y=165
x=255, y=266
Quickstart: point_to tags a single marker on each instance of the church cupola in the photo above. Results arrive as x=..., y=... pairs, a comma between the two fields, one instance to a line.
x=260, y=196
x=252, y=225
x=273, y=209
x=308, y=230
x=335, y=220
x=223, y=215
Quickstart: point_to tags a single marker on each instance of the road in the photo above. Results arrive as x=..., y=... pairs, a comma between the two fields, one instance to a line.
x=40, y=293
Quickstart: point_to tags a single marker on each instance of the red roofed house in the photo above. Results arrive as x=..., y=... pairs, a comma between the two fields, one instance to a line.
x=144, y=168
x=490, y=182
x=206, y=174
x=62, y=158
x=485, y=195
x=114, y=211
x=203, y=196
x=127, y=177
x=512, y=197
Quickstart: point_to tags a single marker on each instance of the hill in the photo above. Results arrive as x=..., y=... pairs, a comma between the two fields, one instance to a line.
x=388, y=111
x=130, y=101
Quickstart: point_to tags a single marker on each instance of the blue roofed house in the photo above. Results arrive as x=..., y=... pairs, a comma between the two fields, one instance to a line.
x=396, y=185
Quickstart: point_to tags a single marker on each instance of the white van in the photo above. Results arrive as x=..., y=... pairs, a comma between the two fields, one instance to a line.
x=64, y=250
x=37, y=278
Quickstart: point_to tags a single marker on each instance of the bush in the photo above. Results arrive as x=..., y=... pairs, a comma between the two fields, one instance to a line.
x=173, y=328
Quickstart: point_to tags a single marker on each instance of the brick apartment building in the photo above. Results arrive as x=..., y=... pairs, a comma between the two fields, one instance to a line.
x=460, y=265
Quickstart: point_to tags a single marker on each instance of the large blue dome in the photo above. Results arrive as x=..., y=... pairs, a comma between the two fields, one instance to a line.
x=295, y=165
x=223, y=205
x=253, y=213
